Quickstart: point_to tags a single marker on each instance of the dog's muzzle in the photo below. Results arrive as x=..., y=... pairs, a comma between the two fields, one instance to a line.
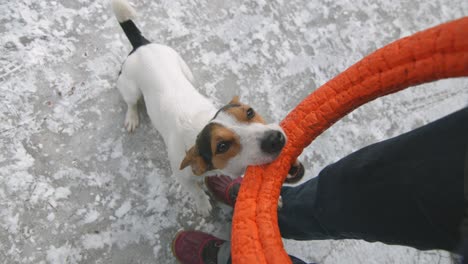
x=272, y=142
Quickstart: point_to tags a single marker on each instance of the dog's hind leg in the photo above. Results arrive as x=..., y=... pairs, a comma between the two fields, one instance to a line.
x=131, y=94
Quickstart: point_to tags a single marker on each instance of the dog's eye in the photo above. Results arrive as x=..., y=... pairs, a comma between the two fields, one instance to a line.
x=222, y=147
x=250, y=113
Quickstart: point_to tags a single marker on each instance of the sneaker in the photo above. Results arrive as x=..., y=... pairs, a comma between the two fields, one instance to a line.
x=195, y=247
x=296, y=173
x=224, y=188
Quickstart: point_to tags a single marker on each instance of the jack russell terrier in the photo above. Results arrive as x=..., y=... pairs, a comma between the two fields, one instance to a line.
x=197, y=135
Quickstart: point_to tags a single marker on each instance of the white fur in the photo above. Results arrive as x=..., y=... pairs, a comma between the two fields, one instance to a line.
x=178, y=111
x=123, y=10
x=250, y=136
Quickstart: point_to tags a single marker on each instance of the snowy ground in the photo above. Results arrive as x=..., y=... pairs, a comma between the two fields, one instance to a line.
x=76, y=188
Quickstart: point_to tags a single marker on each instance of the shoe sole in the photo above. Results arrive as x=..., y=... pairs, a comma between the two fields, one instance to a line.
x=173, y=245
x=298, y=175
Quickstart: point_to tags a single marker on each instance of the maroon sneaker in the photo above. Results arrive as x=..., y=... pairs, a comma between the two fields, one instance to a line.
x=195, y=247
x=224, y=188
x=296, y=173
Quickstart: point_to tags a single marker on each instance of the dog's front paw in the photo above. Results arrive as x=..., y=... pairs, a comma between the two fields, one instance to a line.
x=205, y=210
x=204, y=206
x=131, y=119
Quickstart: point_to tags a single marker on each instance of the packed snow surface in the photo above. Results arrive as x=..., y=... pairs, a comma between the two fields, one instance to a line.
x=75, y=187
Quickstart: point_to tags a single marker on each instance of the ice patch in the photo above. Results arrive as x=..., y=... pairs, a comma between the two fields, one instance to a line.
x=91, y=216
x=63, y=254
x=123, y=209
x=42, y=191
x=117, y=150
x=156, y=250
x=297, y=64
x=62, y=193
x=9, y=220
x=51, y=217
x=96, y=241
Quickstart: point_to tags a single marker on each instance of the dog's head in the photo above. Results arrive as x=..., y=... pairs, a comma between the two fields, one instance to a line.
x=235, y=138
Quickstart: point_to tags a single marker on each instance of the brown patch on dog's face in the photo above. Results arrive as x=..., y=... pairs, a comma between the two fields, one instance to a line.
x=242, y=112
x=214, y=147
x=224, y=145
x=195, y=161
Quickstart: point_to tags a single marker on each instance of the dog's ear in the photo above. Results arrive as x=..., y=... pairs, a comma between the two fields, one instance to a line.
x=193, y=159
x=235, y=100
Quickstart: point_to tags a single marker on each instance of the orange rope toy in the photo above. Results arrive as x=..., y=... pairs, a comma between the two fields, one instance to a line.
x=436, y=53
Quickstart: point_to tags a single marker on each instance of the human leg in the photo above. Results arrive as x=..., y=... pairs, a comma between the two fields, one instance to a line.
x=406, y=190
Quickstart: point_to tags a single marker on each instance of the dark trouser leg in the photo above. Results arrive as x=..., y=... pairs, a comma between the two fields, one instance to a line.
x=224, y=256
x=407, y=190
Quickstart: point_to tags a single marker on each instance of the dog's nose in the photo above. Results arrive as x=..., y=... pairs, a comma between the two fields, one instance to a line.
x=272, y=142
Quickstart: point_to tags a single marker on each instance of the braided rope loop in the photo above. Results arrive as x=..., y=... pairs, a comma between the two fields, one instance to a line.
x=436, y=53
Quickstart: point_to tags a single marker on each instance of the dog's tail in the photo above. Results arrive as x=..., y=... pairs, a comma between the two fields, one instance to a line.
x=125, y=13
